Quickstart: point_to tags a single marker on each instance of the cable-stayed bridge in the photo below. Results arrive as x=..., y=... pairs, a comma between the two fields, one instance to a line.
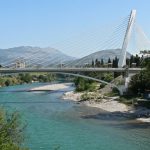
x=122, y=37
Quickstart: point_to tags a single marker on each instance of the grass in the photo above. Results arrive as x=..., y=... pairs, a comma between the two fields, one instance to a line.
x=91, y=96
x=111, y=94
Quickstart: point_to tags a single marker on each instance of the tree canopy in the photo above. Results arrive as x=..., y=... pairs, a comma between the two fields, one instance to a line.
x=141, y=82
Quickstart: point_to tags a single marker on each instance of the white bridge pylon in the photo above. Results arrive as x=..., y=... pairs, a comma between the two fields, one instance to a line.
x=122, y=60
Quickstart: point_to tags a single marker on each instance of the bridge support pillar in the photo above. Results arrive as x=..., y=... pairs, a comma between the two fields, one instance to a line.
x=122, y=89
x=122, y=60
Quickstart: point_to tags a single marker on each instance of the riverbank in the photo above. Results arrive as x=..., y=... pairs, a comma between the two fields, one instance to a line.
x=110, y=104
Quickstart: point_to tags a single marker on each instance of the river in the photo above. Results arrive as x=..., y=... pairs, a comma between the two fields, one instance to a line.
x=56, y=123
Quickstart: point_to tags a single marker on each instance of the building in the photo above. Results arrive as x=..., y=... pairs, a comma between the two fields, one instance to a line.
x=20, y=64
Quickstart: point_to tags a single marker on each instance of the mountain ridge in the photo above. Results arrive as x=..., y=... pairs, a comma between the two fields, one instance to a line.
x=51, y=57
x=37, y=54
x=102, y=54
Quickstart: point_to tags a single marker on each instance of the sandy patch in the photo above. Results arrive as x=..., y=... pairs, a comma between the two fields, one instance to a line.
x=52, y=87
x=109, y=105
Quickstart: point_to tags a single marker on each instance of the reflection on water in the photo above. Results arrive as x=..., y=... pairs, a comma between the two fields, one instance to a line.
x=53, y=122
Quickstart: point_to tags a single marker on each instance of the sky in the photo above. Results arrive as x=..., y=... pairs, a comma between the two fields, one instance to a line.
x=46, y=22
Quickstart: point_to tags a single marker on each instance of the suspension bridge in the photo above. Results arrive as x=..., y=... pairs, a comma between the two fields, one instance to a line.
x=120, y=38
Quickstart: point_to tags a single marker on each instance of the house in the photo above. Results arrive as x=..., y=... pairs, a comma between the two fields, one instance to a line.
x=20, y=64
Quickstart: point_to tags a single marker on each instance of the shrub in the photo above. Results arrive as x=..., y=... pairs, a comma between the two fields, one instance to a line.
x=84, y=85
x=11, y=131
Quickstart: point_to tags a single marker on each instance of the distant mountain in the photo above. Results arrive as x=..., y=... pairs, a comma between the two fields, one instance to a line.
x=33, y=56
x=103, y=54
x=36, y=56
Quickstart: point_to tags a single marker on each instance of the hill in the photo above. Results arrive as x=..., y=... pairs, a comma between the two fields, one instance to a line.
x=103, y=54
x=33, y=56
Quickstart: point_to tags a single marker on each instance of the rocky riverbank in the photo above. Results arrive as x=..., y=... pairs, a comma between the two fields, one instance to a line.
x=111, y=104
x=108, y=104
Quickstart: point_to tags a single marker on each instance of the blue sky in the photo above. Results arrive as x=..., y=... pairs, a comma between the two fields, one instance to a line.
x=44, y=22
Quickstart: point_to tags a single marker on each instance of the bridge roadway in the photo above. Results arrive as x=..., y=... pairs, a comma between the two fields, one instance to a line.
x=68, y=70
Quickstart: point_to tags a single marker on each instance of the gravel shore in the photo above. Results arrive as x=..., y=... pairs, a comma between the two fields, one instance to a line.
x=111, y=105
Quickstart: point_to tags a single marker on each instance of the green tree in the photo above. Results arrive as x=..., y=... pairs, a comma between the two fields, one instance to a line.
x=92, y=63
x=11, y=131
x=132, y=60
x=109, y=60
x=97, y=63
x=27, y=78
x=84, y=84
x=140, y=82
x=128, y=62
x=102, y=62
x=115, y=65
x=115, y=62
x=137, y=60
x=108, y=77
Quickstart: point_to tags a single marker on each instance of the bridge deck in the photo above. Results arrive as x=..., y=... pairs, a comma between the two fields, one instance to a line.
x=19, y=70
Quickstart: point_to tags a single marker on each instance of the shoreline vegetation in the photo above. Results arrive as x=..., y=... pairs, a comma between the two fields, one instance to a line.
x=19, y=79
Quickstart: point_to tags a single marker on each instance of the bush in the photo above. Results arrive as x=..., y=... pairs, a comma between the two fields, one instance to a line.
x=84, y=85
x=25, y=78
x=115, y=90
x=108, y=77
x=45, y=78
x=102, y=85
x=8, y=82
x=91, y=96
x=11, y=131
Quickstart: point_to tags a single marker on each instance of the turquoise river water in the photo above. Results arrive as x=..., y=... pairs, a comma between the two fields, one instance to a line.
x=55, y=123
